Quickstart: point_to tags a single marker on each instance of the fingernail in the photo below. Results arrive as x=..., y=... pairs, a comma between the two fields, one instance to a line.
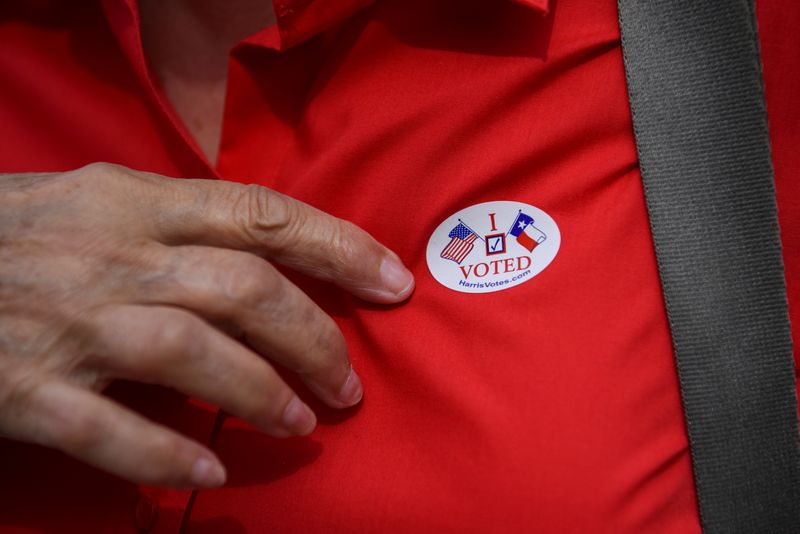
x=207, y=473
x=351, y=391
x=395, y=276
x=298, y=418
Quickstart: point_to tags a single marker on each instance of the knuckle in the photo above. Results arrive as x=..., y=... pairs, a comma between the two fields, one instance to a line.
x=266, y=404
x=262, y=399
x=99, y=168
x=167, y=448
x=251, y=282
x=179, y=333
x=114, y=183
x=126, y=187
x=275, y=405
x=80, y=431
x=266, y=211
x=326, y=350
x=345, y=243
x=350, y=247
x=169, y=459
x=100, y=171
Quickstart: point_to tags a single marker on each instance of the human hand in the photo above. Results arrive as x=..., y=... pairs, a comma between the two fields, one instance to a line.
x=110, y=273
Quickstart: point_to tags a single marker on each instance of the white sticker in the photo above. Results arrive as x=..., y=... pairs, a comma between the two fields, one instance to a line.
x=492, y=246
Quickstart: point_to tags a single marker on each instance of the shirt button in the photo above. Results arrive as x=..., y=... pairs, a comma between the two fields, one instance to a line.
x=146, y=513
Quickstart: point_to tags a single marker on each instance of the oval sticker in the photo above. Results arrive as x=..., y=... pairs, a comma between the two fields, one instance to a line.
x=492, y=246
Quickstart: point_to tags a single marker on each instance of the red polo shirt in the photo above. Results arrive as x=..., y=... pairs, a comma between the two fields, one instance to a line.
x=552, y=406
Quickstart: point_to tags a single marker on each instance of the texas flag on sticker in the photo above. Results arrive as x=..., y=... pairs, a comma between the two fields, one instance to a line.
x=526, y=233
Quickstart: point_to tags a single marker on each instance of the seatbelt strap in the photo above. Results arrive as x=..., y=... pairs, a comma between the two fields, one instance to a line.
x=696, y=96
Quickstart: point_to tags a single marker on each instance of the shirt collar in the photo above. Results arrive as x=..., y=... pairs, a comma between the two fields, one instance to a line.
x=297, y=20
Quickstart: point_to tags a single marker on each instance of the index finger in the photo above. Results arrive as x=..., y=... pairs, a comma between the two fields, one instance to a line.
x=284, y=230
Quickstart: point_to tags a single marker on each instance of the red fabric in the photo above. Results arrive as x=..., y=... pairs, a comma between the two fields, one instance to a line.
x=781, y=62
x=550, y=407
x=297, y=20
x=542, y=5
x=526, y=241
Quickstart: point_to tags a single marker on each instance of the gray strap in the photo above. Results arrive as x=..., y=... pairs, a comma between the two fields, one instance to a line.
x=694, y=82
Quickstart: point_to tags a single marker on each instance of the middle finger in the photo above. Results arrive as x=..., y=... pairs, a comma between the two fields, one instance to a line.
x=277, y=319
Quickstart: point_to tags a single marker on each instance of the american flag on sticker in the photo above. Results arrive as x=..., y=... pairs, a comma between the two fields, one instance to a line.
x=460, y=245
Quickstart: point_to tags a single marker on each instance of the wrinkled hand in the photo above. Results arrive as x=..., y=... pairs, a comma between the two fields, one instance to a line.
x=110, y=273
